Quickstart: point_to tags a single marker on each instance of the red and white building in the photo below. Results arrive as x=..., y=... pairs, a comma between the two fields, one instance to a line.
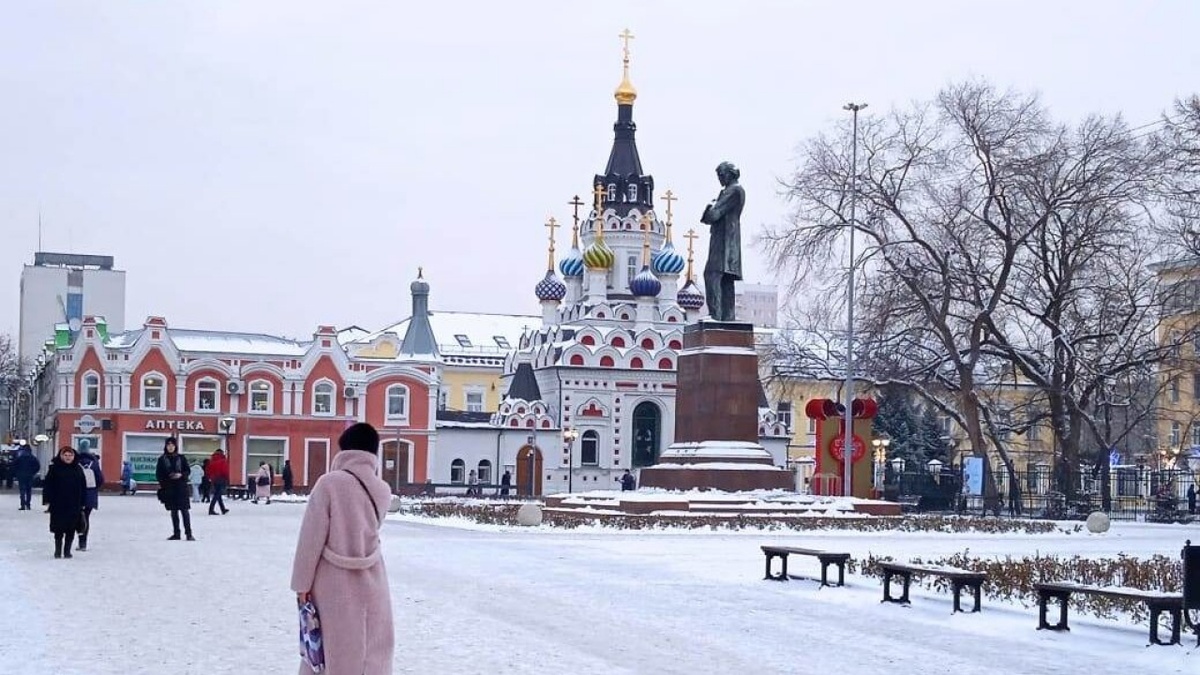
x=258, y=397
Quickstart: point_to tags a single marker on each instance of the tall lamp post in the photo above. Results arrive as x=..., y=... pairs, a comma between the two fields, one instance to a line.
x=569, y=436
x=848, y=442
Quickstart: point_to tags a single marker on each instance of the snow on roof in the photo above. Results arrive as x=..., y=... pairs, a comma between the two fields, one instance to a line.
x=218, y=342
x=470, y=332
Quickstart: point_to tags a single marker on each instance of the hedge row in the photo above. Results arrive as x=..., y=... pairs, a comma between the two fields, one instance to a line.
x=1012, y=579
x=506, y=514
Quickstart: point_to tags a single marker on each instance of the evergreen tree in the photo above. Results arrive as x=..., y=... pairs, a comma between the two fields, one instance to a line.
x=932, y=439
x=897, y=420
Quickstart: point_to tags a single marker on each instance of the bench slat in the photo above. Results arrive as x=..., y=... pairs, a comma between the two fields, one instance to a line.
x=804, y=551
x=954, y=572
x=1110, y=591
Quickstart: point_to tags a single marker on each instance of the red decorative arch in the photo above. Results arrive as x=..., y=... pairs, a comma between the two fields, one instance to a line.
x=636, y=362
x=606, y=362
x=647, y=343
x=618, y=341
x=588, y=339
x=665, y=364
x=576, y=360
x=675, y=344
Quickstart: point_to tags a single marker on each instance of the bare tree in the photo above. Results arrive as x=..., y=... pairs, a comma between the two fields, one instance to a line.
x=10, y=367
x=1179, y=142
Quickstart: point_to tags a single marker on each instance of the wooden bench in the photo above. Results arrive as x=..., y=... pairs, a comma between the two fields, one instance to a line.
x=1157, y=601
x=958, y=577
x=827, y=558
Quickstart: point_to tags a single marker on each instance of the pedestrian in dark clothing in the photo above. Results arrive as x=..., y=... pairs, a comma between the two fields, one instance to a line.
x=218, y=474
x=94, y=478
x=628, y=483
x=505, y=482
x=126, y=476
x=205, y=482
x=1191, y=497
x=174, y=491
x=65, y=491
x=26, y=467
x=287, y=477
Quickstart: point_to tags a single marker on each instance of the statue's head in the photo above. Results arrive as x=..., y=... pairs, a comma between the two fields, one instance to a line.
x=727, y=173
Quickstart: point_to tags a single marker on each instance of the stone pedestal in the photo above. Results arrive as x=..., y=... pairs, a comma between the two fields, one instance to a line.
x=716, y=417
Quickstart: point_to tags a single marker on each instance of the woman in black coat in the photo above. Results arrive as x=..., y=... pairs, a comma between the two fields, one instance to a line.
x=64, y=490
x=174, y=490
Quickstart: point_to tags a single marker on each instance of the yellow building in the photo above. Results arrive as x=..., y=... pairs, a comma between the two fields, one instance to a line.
x=472, y=347
x=1177, y=424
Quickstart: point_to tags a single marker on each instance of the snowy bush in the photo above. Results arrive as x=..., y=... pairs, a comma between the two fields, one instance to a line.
x=1012, y=579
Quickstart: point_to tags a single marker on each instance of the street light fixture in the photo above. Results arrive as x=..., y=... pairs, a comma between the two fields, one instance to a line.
x=569, y=436
x=881, y=446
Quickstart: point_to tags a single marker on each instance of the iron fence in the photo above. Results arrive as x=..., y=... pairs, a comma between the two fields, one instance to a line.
x=1124, y=492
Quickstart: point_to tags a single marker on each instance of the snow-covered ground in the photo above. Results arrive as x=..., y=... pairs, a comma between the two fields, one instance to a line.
x=476, y=599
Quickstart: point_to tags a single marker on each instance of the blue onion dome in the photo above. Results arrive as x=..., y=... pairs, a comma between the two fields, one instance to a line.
x=571, y=265
x=667, y=260
x=690, y=297
x=550, y=288
x=598, y=256
x=645, y=284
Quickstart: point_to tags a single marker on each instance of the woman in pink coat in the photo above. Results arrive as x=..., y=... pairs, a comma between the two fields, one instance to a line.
x=262, y=483
x=339, y=565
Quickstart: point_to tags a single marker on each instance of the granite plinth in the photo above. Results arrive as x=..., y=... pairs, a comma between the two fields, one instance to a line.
x=718, y=387
x=730, y=466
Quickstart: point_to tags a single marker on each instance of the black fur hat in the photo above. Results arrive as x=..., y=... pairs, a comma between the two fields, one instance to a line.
x=361, y=436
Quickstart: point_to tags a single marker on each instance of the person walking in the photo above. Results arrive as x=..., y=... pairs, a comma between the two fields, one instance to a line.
x=628, y=482
x=338, y=565
x=195, y=476
x=93, y=478
x=172, y=473
x=505, y=483
x=262, y=483
x=1191, y=499
x=218, y=475
x=126, y=477
x=205, y=482
x=288, y=478
x=26, y=467
x=64, y=490
x=472, y=484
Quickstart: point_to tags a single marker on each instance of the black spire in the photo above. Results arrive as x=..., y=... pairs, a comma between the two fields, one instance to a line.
x=623, y=182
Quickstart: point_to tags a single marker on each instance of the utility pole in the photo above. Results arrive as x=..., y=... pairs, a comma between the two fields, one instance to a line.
x=848, y=438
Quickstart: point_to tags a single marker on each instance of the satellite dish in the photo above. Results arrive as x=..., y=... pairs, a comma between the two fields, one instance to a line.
x=75, y=324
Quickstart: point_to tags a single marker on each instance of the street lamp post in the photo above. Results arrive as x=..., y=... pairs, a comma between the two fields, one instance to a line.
x=881, y=446
x=848, y=441
x=569, y=436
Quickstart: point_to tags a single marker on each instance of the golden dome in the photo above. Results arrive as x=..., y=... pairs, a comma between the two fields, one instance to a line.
x=625, y=94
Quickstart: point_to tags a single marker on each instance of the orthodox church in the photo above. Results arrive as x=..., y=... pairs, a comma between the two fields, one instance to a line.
x=590, y=393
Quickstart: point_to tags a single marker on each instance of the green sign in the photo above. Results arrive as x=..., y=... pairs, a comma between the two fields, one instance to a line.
x=144, y=464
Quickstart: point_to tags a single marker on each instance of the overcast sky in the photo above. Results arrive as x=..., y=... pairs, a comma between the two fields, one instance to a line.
x=272, y=166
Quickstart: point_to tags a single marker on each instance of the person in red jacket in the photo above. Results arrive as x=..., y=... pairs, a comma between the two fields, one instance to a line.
x=218, y=475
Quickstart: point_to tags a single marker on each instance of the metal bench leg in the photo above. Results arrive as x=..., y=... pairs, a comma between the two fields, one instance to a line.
x=956, y=590
x=841, y=573
x=783, y=576
x=1042, y=599
x=887, y=586
x=1176, y=626
x=907, y=579
x=1155, y=612
x=978, y=589
x=768, y=572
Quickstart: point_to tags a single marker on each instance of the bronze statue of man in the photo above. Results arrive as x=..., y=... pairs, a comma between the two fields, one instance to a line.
x=724, y=265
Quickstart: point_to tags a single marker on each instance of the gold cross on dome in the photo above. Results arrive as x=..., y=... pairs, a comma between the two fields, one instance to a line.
x=691, y=236
x=626, y=36
x=598, y=191
x=669, y=197
x=576, y=203
x=551, y=225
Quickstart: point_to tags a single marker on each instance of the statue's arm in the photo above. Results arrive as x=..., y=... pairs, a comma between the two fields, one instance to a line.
x=727, y=201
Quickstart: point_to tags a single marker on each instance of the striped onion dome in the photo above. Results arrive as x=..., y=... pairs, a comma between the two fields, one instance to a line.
x=598, y=256
x=550, y=287
x=667, y=260
x=645, y=284
x=690, y=297
x=571, y=265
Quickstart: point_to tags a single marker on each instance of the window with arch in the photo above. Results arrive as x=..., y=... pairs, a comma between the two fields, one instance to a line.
x=612, y=192
x=618, y=341
x=606, y=361
x=1176, y=433
x=576, y=360
x=206, y=395
x=647, y=344
x=589, y=448
x=636, y=362
x=587, y=340
x=631, y=267
x=458, y=472
x=154, y=390
x=91, y=391
x=633, y=192
x=261, y=396
x=323, y=398
x=397, y=402
x=665, y=364
x=484, y=471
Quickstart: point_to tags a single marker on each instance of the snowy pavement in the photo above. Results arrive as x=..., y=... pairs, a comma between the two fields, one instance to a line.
x=475, y=599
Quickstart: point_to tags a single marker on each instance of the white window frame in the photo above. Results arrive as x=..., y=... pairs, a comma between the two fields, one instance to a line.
x=631, y=192
x=461, y=468
x=589, y=435
x=467, y=392
x=632, y=266
x=216, y=391
x=270, y=391
x=1176, y=434
x=483, y=472
x=812, y=426
x=443, y=398
x=387, y=403
x=88, y=388
x=162, y=391
x=331, y=394
x=611, y=193
x=1195, y=435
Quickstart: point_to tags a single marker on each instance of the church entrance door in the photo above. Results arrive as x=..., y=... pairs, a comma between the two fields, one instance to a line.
x=647, y=434
x=529, y=471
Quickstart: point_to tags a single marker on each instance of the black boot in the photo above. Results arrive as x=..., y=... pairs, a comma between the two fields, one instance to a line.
x=58, y=544
x=82, y=543
x=68, y=540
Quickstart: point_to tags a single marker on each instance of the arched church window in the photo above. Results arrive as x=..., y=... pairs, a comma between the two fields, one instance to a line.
x=633, y=192
x=612, y=192
x=589, y=449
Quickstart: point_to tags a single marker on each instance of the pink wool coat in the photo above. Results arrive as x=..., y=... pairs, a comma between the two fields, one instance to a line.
x=263, y=491
x=339, y=561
